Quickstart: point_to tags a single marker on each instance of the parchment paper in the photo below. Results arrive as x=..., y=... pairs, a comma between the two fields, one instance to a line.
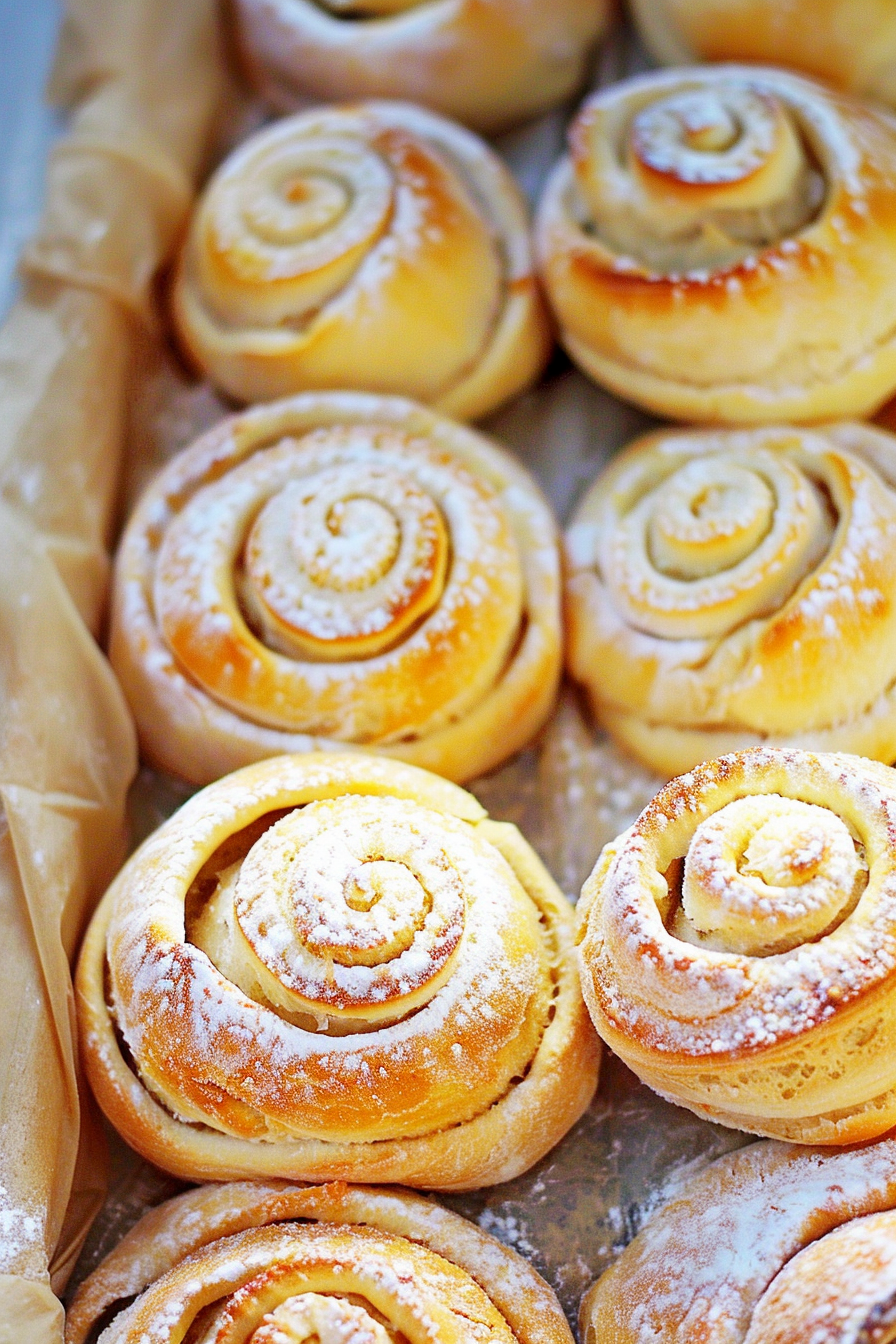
x=144, y=79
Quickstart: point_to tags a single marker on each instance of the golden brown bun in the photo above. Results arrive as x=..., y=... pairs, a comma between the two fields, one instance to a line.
x=333, y=571
x=279, y=1264
x=734, y=588
x=333, y=967
x=849, y=43
x=769, y=1245
x=721, y=246
x=376, y=246
x=489, y=63
x=754, y=982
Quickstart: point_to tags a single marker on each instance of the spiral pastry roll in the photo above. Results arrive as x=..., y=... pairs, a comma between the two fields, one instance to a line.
x=489, y=63
x=850, y=43
x=338, y=569
x=327, y=967
x=271, y=1263
x=738, y=944
x=376, y=246
x=720, y=245
x=769, y=1245
x=733, y=588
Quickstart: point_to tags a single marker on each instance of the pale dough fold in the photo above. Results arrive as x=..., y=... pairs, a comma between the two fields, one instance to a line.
x=336, y=967
x=738, y=944
x=734, y=588
x=338, y=571
x=374, y=246
x=489, y=63
x=720, y=246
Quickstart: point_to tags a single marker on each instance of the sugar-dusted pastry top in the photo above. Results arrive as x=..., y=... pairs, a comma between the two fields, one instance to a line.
x=271, y=1263
x=338, y=570
x=336, y=967
x=773, y=1244
x=729, y=588
x=489, y=63
x=374, y=246
x=738, y=944
x=849, y=43
x=720, y=245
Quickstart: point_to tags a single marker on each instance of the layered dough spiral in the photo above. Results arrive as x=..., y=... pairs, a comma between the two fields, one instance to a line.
x=849, y=43
x=489, y=63
x=333, y=967
x=271, y=1263
x=770, y=1245
x=338, y=569
x=374, y=246
x=738, y=944
x=720, y=246
x=729, y=588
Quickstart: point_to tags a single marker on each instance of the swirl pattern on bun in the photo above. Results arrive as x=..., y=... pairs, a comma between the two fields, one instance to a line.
x=267, y=1263
x=738, y=944
x=338, y=569
x=489, y=63
x=848, y=43
x=719, y=246
x=375, y=246
x=334, y=967
x=729, y=588
x=770, y=1245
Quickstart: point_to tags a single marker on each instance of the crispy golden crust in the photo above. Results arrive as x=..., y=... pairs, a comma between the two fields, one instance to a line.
x=375, y=246
x=437, y=1262
x=338, y=570
x=738, y=944
x=849, y=43
x=327, y=967
x=719, y=246
x=727, y=589
x=770, y=1245
x=489, y=63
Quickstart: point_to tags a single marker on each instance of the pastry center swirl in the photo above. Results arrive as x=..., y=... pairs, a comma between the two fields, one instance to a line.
x=697, y=178
x=287, y=224
x=714, y=544
x=356, y=582
x=343, y=563
x=348, y=906
x=700, y=136
x=766, y=874
x=317, y=1319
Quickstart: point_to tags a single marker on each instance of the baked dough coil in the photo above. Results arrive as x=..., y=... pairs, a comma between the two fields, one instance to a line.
x=719, y=246
x=770, y=1245
x=271, y=1263
x=738, y=944
x=376, y=246
x=338, y=569
x=849, y=43
x=489, y=63
x=734, y=588
x=333, y=967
